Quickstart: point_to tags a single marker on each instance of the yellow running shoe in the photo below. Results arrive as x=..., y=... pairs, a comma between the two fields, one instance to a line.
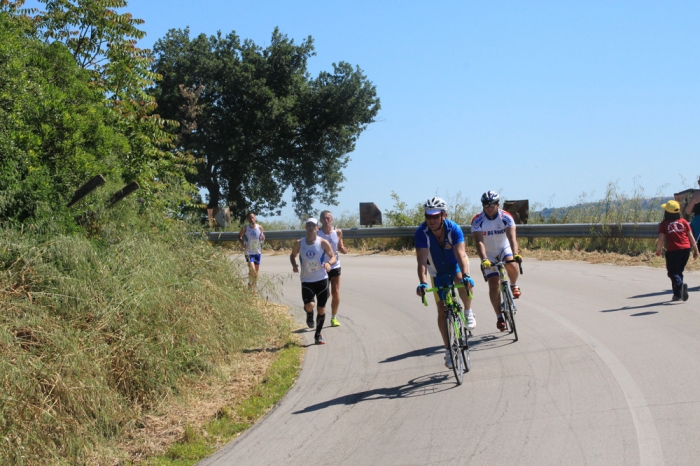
x=334, y=322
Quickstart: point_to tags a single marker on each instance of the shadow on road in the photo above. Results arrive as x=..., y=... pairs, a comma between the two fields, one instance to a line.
x=661, y=293
x=491, y=340
x=630, y=308
x=424, y=385
x=425, y=352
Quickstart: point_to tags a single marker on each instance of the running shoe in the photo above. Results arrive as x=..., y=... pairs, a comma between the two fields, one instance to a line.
x=448, y=359
x=334, y=322
x=318, y=339
x=310, y=319
x=516, y=291
x=675, y=298
x=684, y=292
x=471, y=321
x=501, y=324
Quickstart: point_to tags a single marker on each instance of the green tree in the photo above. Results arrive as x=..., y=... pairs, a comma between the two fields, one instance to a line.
x=55, y=133
x=257, y=122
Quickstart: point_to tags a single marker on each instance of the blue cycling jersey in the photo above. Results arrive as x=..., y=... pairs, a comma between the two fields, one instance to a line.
x=441, y=259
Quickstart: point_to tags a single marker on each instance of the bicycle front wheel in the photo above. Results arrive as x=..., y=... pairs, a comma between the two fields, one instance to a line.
x=455, y=352
x=509, y=307
x=464, y=345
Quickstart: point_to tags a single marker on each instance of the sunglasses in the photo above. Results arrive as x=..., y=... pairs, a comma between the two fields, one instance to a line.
x=433, y=217
x=486, y=204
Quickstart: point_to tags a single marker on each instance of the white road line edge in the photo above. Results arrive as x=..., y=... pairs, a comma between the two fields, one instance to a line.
x=650, y=452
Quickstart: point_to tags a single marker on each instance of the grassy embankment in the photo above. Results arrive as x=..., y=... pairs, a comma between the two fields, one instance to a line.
x=132, y=342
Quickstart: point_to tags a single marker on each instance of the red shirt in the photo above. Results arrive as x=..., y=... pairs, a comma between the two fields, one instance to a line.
x=676, y=232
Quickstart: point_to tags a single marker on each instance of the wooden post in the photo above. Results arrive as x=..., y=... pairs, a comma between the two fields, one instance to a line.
x=94, y=183
x=122, y=193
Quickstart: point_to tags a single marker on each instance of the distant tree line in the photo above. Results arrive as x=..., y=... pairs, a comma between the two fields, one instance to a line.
x=78, y=98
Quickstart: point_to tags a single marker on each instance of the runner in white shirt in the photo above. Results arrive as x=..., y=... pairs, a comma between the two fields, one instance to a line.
x=251, y=237
x=335, y=237
x=493, y=231
x=316, y=258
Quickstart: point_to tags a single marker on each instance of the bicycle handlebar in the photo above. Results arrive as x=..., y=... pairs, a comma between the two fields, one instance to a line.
x=445, y=288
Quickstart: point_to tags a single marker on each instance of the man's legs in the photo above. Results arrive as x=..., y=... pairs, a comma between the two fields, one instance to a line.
x=495, y=297
x=322, y=297
x=512, y=271
x=464, y=295
x=335, y=302
x=253, y=269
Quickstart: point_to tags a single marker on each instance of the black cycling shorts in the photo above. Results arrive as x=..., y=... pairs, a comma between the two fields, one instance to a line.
x=318, y=290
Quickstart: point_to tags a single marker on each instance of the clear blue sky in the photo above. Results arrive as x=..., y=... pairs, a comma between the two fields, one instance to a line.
x=539, y=100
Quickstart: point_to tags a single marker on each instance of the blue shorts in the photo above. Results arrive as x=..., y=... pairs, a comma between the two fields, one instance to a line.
x=254, y=258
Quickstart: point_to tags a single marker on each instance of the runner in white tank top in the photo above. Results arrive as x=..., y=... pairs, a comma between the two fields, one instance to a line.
x=316, y=260
x=251, y=237
x=335, y=237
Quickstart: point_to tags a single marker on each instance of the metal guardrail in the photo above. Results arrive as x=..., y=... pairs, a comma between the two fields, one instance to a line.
x=571, y=230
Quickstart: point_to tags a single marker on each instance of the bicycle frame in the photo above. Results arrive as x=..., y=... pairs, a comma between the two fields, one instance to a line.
x=458, y=334
x=508, y=306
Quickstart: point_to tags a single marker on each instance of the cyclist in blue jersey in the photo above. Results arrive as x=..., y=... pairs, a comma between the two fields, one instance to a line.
x=440, y=252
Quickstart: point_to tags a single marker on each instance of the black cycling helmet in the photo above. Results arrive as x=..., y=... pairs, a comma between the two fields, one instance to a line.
x=490, y=198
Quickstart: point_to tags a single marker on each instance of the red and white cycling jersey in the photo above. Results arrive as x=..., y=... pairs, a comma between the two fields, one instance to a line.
x=495, y=239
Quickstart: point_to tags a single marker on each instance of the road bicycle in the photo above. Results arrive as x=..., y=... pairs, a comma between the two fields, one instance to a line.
x=508, y=307
x=457, y=332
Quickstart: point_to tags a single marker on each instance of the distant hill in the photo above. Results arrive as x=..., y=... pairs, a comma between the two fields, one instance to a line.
x=649, y=209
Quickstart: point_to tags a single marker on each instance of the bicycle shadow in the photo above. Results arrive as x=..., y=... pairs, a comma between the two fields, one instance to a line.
x=487, y=341
x=420, y=386
x=425, y=352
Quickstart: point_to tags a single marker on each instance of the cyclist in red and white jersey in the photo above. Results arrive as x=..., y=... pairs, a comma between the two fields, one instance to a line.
x=493, y=231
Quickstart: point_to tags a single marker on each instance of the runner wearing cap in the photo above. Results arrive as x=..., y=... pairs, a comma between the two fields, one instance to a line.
x=675, y=232
x=316, y=258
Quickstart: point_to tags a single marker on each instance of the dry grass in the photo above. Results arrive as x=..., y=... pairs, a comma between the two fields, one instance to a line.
x=204, y=398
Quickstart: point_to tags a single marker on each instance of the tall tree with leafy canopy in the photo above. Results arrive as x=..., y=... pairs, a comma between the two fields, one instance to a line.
x=257, y=122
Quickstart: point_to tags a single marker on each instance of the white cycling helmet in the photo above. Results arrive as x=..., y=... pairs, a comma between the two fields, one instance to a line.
x=490, y=197
x=435, y=205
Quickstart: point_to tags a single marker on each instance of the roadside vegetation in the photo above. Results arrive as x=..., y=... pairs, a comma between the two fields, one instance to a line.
x=101, y=336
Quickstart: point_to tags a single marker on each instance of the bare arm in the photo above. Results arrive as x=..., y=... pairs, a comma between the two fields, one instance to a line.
x=461, y=255
x=660, y=243
x=262, y=235
x=693, y=245
x=341, y=245
x=294, y=254
x=240, y=237
x=479, y=240
x=422, y=258
x=326, y=246
x=510, y=234
x=694, y=199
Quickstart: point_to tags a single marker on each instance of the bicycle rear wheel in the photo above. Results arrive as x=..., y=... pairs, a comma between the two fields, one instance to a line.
x=509, y=307
x=455, y=352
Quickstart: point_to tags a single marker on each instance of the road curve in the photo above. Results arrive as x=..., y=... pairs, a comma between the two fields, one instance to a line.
x=605, y=373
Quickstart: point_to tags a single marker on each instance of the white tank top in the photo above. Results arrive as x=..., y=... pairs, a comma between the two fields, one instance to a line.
x=251, y=238
x=333, y=239
x=311, y=258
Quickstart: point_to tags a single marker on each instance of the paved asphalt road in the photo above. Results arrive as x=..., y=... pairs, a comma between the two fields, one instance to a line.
x=606, y=372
